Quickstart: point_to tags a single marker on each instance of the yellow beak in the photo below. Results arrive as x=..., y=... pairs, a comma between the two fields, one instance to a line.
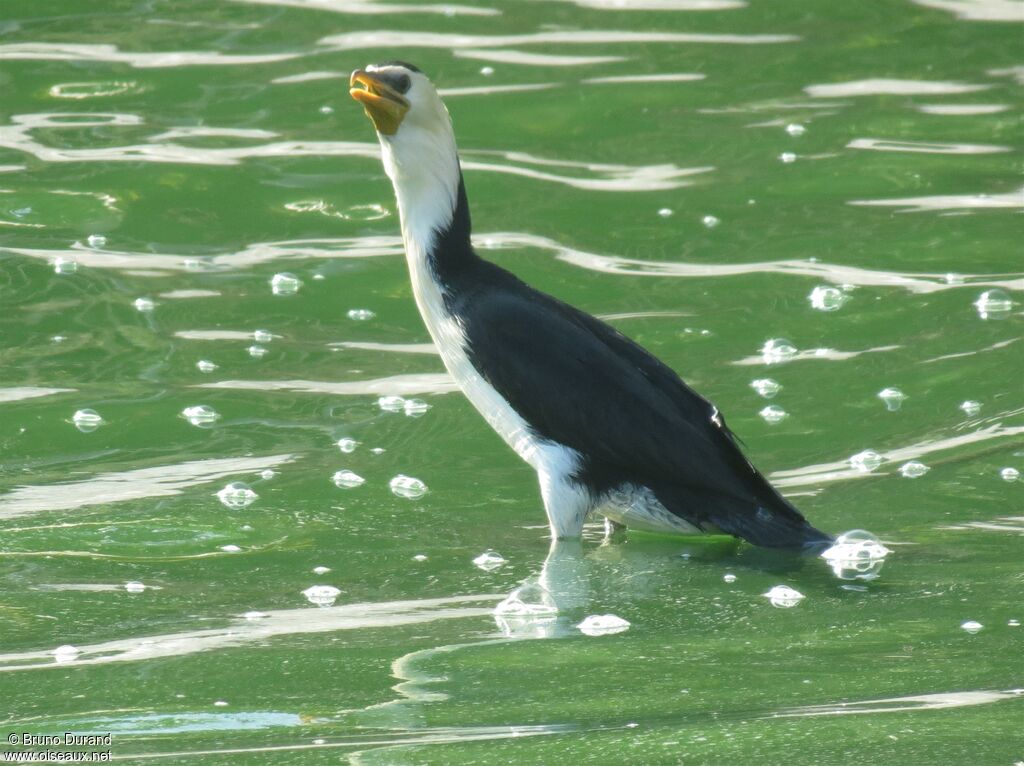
x=384, y=106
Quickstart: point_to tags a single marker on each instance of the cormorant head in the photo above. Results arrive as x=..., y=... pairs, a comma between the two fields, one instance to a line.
x=398, y=98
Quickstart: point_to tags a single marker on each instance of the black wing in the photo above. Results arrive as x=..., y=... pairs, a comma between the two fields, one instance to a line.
x=581, y=383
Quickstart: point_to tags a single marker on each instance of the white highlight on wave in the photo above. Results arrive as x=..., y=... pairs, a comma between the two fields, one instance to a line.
x=363, y=7
x=886, y=86
x=137, y=59
x=393, y=39
x=507, y=56
x=940, y=701
x=979, y=10
x=923, y=147
x=1009, y=200
x=393, y=385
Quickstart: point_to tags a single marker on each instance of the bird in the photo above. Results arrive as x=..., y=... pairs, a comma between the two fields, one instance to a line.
x=607, y=426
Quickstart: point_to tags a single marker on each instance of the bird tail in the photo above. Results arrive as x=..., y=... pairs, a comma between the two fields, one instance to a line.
x=771, y=522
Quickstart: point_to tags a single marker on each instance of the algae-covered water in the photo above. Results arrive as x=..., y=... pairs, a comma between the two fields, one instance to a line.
x=193, y=213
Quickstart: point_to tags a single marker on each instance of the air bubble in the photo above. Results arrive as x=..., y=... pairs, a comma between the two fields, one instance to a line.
x=144, y=304
x=134, y=587
x=200, y=415
x=954, y=279
x=64, y=266
x=237, y=495
x=1013, y=623
x=322, y=595
x=892, y=397
x=87, y=420
x=348, y=446
x=96, y=241
x=360, y=315
x=415, y=407
x=230, y=548
x=285, y=284
x=971, y=407
x=824, y=298
x=66, y=653
x=666, y=212
x=487, y=71
x=914, y=469
x=603, y=625
x=777, y=350
x=766, y=387
x=407, y=486
x=784, y=597
x=1009, y=474
x=972, y=626
x=419, y=557
x=710, y=221
x=994, y=304
x=205, y=365
x=267, y=474
x=773, y=414
x=866, y=461
x=489, y=560
x=378, y=451
x=254, y=615
x=795, y=130
x=730, y=578
x=326, y=109
x=787, y=157
x=262, y=336
x=856, y=555
x=347, y=479
x=391, y=403
x=321, y=570
x=257, y=352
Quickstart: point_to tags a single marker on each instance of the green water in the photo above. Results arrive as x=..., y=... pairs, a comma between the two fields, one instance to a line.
x=185, y=134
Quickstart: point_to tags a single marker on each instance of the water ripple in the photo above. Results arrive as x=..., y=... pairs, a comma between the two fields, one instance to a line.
x=890, y=87
x=363, y=7
x=533, y=59
x=352, y=41
x=413, y=383
x=1014, y=199
x=17, y=393
x=888, y=145
x=940, y=701
x=979, y=10
x=140, y=60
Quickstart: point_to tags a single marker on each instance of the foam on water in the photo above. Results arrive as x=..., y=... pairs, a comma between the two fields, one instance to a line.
x=237, y=495
x=407, y=486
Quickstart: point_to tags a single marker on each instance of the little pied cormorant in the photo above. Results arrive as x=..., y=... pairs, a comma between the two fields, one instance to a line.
x=607, y=426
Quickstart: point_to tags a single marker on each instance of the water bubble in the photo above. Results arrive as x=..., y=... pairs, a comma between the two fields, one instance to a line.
x=237, y=495
x=321, y=570
x=866, y=461
x=257, y=352
x=824, y=298
x=144, y=304
x=970, y=407
x=787, y=157
x=914, y=469
x=66, y=653
x=773, y=414
x=784, y=597
x=391, y=403
x=87, y=420
x=729, y=578
x=378, y=451
x=267, y=474
x=407, y=486
x=419, y=557
x=230, y=548
x=666, y=212
x=710, y=221
x=254, y=615
x=766, y=387
x=489, y=560
x=415, y=407
x=971, y=626
x=529, y=599
x=64, y=266
x=486, y=71
x=994, y=304
x=205, y=365
x=59, y=338
x=322, y=595
x=360, y=315
x=1009, y=474
x=795, y=130
x=1013, y=623
x=347, y=479
x=326, y=109
x=220, y=703
x=777, y=350
x=262, y=336
x=200, y=415
x=21, y=212
x=954, y=279
x=602, y=625
x=285, y=284
x=348, y=446
x=134, y=586
x=96, y=240
x=892, y=397
x=856, y=555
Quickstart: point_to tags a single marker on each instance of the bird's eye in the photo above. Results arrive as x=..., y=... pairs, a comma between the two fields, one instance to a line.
x=400, y=82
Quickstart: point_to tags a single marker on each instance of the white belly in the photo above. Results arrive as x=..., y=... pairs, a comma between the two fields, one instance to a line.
x=638, y=508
